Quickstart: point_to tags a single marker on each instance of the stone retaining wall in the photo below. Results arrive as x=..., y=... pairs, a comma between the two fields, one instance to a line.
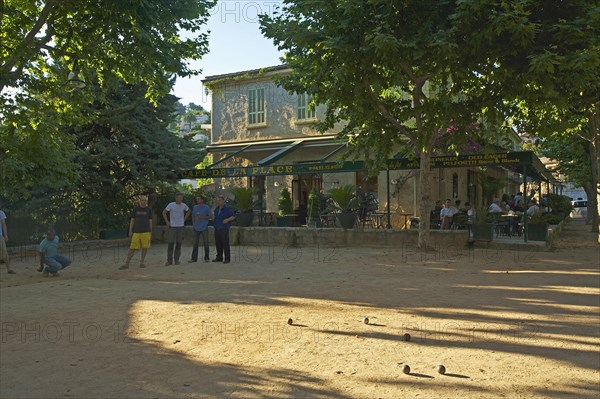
x=303, y=236
x=274, y=236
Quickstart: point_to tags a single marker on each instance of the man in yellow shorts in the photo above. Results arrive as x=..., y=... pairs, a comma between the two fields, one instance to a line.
x=140, y=231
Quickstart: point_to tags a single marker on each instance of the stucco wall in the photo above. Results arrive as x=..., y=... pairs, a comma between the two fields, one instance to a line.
x=230, y=113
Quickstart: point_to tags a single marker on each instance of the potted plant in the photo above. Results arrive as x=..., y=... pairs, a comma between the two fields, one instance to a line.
x=482, y=228
x=243, y=204
x=344, y=200
x=313, y=208
x=537, y=228
x=561, y=206
x=285, y=208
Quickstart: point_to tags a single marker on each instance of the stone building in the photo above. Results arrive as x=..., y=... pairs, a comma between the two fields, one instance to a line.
x=257, y=123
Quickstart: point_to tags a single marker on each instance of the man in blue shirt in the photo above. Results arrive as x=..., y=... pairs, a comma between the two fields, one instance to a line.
x=223, y=216
x=200, y=216
x=49, y=255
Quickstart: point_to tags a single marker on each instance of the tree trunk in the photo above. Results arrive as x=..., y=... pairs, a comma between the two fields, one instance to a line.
x=425, y=203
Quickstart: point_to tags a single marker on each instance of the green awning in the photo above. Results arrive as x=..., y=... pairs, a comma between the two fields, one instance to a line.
x=511, y=160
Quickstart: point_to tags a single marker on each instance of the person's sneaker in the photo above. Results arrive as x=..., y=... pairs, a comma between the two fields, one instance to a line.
x=217, y=260
x=207, y=260
x=124, y=267
x=192, y=261
x=226, y=261
x=11, y=271
x=39, y=269
x=176, y=262
x=45, y=274
x=168, y=263
x=142, y=265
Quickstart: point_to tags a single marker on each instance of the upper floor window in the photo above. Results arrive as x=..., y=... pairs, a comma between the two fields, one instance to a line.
x=302, y=110
x=256, y=106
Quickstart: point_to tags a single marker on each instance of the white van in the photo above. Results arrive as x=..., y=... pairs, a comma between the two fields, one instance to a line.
x=579, y=209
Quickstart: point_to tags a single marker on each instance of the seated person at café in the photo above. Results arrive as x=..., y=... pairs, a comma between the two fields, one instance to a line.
x=496, y=207
x=447, y=213
x=545, y=208
x=435, y=215
x=517, y=198
x=518, y=207
x=534, y=208
x=438, y=206
x=469, y=211
x=457, y=206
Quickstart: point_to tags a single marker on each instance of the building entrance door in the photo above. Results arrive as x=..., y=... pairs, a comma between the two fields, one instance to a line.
x=301, y=187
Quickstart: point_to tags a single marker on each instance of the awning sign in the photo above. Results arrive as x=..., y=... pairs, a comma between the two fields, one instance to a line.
x=474, y=160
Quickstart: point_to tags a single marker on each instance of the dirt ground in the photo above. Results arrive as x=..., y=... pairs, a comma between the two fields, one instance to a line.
x=505, y=324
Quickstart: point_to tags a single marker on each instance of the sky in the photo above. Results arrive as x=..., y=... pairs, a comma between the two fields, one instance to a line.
x=235, y=44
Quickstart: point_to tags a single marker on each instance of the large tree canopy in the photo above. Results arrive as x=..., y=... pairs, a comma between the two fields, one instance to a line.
x=544, y=61
x=410, y=69
x=139, y=41
x=391, y=70
x=126, y=150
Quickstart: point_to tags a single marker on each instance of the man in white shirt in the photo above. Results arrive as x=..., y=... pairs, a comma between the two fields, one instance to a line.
x=178, y=214
x=495, y=207
x=534, y=208
x=447, y=213
x=3, y=239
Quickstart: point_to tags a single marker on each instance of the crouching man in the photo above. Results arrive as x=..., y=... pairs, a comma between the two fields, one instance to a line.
x=49, y=255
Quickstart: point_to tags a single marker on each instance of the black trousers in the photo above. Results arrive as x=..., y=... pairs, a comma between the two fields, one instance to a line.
x=222, y=243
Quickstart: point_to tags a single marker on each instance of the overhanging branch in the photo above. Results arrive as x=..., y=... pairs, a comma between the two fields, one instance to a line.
x=384, y=111
x=28, y=45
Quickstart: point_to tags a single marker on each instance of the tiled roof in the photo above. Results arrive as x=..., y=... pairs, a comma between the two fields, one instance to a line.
x=257, y=72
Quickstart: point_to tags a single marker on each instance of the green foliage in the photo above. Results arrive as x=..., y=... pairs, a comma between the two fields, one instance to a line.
x=125, y=151
x=137, y=41
x=313, y=203
x=572, y=153
x=544, y=70
x=482, y=215
x=128, y=150
x=537, y=218
x=490, y=187
x=389, y=71
x=553, y=219
x=344, y=198
x=560, y=203
x=242, y=199
x=285, y=202
x=402, y=52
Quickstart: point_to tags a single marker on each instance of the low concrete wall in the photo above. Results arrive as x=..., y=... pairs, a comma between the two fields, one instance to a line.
x=68, y=248
x=274, y=236
x=554, y=232
x=304, y=236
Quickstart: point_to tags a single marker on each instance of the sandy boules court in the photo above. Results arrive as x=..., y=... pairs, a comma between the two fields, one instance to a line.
x=511, y=324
